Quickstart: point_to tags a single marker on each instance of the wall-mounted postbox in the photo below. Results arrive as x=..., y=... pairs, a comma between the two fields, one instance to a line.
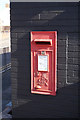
x=43, y=62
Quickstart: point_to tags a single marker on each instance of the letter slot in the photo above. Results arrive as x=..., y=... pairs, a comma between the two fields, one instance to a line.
x=43, y=41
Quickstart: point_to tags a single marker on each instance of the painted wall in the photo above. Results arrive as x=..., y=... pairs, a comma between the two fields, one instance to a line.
x=60, y=17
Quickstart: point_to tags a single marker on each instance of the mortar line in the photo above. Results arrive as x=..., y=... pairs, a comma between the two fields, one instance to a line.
x=67, y=61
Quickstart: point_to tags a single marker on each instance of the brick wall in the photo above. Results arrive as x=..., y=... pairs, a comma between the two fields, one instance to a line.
x=26, y=17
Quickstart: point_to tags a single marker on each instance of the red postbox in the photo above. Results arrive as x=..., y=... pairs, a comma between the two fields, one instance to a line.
x=43, y=62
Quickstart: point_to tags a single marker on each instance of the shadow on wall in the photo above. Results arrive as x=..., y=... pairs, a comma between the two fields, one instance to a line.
x=64, y=105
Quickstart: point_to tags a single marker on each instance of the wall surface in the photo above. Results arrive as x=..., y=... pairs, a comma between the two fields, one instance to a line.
x=60, y=17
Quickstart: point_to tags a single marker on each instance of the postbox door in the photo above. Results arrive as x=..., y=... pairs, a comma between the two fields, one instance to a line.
x=43, y=79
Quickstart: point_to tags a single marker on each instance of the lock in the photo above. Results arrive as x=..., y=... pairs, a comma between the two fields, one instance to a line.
x=43, y=52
